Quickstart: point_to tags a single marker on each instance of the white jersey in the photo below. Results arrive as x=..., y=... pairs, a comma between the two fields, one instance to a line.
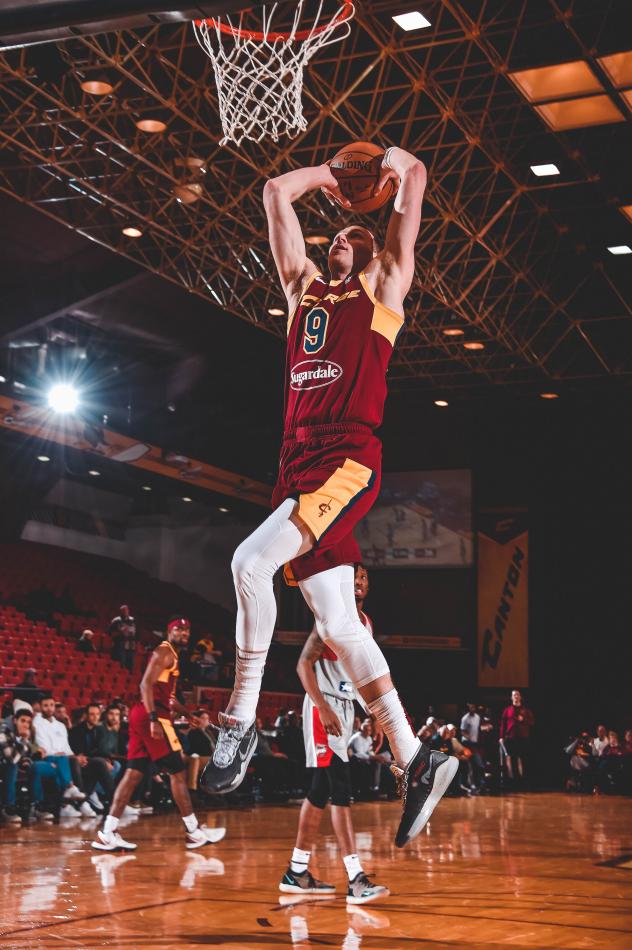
x=335, y=684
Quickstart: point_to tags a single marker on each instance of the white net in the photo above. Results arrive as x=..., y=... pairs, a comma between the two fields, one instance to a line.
x=259, y=75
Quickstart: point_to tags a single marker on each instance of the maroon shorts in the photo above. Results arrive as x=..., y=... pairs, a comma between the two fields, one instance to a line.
x=333, y=471
x=141, y=743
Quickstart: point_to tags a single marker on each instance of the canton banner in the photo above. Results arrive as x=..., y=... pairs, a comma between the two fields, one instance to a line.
x=503, y=600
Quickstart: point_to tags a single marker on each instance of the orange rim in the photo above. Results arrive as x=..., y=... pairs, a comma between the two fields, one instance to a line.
x=345, y=14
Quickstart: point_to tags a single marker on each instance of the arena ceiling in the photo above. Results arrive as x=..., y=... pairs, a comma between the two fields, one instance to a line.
x=518, y=263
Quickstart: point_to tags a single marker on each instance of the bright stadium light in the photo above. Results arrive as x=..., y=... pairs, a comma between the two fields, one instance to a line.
x=63, y=398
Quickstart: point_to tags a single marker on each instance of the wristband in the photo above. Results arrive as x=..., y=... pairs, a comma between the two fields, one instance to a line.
x=153, y=716
x=387, y=157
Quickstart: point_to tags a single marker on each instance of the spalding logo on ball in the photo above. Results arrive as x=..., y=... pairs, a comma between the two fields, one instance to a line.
x=357, y=169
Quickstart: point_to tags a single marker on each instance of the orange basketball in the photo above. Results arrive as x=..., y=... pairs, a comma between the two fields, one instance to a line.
x=357, y=169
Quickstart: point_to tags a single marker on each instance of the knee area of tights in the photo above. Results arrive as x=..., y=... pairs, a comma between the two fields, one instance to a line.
x=344, y=630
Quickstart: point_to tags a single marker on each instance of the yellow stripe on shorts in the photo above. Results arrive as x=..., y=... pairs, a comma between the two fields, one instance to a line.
x=319, y=509
x=171, y=735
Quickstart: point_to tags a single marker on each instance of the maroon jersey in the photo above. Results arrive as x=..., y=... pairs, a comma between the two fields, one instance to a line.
x=340, y=339
x=165, y=686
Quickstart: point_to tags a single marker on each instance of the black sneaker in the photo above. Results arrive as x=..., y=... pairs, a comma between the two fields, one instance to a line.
x=421, y=786
x=303, y=883
x=362, y=890
x=235, y=746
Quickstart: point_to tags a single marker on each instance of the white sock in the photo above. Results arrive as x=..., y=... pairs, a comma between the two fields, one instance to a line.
x=353, y=866
x=389, y=712
x=190, y=822
x=300, y=860
x=256, y=561
x=110, y=825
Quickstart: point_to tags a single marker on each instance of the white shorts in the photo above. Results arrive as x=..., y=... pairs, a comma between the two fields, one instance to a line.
x=319, y=747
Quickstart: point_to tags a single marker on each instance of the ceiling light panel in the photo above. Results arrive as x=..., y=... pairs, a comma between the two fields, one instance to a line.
x=554, y=82
x=579, y=113
x=618, y=67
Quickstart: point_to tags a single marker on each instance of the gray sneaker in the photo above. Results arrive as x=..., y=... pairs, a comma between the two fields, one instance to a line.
x=362, y=890
x=236, y=744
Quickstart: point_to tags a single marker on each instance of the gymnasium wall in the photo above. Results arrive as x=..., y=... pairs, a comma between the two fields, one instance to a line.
x=194, y=554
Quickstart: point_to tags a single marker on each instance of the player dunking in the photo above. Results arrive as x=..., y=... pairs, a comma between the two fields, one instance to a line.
x=328, y=713
x=340, y=336
x=152, y=738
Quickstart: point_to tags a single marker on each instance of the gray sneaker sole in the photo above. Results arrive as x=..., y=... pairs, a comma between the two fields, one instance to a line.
x=312, y=891
x=443, y=778
x=381, y=892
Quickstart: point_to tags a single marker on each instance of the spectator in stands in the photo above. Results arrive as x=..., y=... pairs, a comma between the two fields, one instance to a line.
x=611, y=765
x=61, y=714
x=85, y=644
x=96, y=770
x=122, y=629
x=600, y=741
x=581, y=761
x=290, y=738
x=28, y=689
x=52, y=738
x=273, y=770
x=515, y=726
x=429, y=729
x=109, y=737
x=470, y=725
x=17, y=755
x=446, y=741
x=365, y=763
x=470, y=739
x=200, y=746
x=205, y=661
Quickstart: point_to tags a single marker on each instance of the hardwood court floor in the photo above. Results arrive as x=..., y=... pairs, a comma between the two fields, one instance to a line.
x=522, y=871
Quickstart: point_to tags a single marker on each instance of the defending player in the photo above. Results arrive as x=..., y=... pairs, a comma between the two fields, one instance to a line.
x=152, y=738
x=341, y=331
x=328, y=712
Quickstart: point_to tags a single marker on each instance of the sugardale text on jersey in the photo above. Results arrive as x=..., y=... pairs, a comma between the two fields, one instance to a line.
x=311, y=374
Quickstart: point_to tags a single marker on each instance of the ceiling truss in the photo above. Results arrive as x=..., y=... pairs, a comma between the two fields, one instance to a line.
x=496, y=258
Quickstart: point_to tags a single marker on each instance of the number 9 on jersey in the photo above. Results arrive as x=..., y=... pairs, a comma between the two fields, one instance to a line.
x=315, y=330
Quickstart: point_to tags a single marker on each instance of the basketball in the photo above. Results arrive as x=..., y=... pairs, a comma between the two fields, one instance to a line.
x=357, y=169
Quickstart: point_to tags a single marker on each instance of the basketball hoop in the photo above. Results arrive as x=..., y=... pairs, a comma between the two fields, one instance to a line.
x=259, y=73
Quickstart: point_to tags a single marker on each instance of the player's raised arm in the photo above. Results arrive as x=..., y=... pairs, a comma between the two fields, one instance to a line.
x=398, y=256
x=286, y=236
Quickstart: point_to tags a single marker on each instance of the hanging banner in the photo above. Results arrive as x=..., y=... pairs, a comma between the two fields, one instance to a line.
x=503, y=600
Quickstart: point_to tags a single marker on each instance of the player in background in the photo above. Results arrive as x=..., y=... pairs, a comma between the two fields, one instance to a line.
x=152, y=739
x=341, y=331
x=328, y=712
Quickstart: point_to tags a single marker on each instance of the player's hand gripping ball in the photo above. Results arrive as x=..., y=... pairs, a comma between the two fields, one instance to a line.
x=363, y=183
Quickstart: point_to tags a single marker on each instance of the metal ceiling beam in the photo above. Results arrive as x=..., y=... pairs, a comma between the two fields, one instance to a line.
x=488, y=235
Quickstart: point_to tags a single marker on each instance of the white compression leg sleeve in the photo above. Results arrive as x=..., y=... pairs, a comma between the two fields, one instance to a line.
x=330, y=597
x=256, y=561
